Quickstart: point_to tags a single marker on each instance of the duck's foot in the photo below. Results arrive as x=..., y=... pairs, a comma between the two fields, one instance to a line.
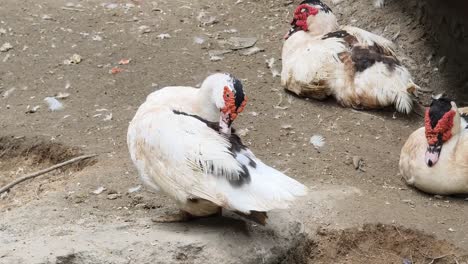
x=180, y=216
x=257, y=217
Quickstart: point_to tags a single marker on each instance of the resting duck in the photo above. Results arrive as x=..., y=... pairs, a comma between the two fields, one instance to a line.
x=358, y=68
x=435, y=157
x=181, y=142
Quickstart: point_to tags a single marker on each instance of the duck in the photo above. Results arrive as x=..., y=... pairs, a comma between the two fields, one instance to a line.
x=434, y=159
x=358, y=68
x=182, y=142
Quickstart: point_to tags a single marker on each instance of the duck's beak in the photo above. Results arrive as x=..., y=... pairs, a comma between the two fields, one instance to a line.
x=432, y=154
x=225, y=122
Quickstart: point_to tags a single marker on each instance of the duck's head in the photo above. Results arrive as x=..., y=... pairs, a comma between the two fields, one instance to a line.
x=312, y=16
x=440, y=125
x=226, y=93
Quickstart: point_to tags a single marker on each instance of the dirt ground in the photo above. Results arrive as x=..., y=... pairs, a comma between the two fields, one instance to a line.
x=66, y=217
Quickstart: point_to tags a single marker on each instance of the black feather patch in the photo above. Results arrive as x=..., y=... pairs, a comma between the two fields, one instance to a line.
x=438, y=109
x=323, y=6
x=212, y=125
x=336, y=34
x=365, y=57
x=238, y=91
x=236, y=147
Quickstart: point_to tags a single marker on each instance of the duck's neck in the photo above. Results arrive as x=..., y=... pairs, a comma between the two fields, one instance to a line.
x=206, y=108
x=322, y=23
x=451, y=147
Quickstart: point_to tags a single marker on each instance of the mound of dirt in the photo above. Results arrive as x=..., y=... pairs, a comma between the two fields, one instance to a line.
x=20, y=156
x=381, y=244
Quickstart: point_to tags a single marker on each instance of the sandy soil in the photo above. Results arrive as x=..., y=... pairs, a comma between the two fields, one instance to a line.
x=58, y=219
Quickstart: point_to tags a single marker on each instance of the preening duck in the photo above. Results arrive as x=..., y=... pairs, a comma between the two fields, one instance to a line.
x=182, y=143
x=435, y=157
x=358, y=68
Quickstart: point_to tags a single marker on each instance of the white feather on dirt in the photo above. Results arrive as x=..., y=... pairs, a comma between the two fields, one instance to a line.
x=54, y=104
x=317, y=141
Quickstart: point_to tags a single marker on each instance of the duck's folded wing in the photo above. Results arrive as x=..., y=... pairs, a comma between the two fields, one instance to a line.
x=370, y=39
x=185, y=141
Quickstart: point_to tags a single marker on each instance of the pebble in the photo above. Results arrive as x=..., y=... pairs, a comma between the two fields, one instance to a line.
x=164, y=36
x=99, y=190
x=251, y=51
x=113, y=196
x=6, y=47
x=237, y=43
x=357, y=162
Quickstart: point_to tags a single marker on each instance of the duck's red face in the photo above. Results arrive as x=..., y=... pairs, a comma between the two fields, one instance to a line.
x=439, y=121
x=299, y=21
x=234, y=103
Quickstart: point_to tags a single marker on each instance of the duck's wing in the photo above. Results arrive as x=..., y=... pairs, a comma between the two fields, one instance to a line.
x=370, y=39
x=201, y=163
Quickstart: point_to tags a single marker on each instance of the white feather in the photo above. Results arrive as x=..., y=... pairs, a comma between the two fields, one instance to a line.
x=317, y=141
x=54, y=104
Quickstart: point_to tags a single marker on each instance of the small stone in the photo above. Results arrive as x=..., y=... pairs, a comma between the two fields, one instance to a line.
x=236, y=43
x=357, y=162
x=33, y=109
x=215, y=53
x=99, y=190
x=164, y=36
x=144, y=29
x=47, y=17
x=451, y=230
x=408, y=201
x=216, y=58
x=97, y=38
x=74, y=59
x=243, y=132
x=206, y=20
x=111, y=5
x=6, y=47
x=113, y=196
x=62, y=95
x=8, y=92
x=141, y=206
x=251, y=51
x=198, y=40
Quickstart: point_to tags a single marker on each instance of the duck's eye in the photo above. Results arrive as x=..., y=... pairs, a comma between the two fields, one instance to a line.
x=227, y=95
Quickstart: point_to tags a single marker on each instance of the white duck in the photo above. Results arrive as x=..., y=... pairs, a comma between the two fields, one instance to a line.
x=178, y=146
x=434, y=159
x=358, y=68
